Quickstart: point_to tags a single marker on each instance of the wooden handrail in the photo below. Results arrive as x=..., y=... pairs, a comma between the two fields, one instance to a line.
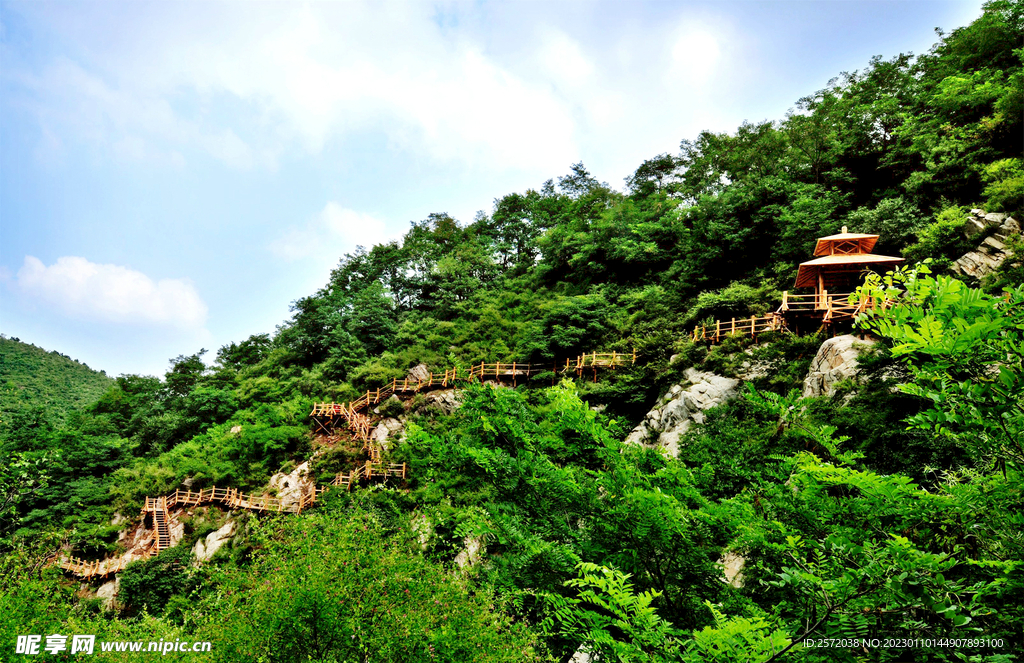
x=233, y=499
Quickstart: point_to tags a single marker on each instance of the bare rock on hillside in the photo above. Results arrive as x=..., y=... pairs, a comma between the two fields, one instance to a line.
x=682, y=407
x=205, y=549
x=732, y=567
x=290, y=487
x=835, y=361
x=387, y=430
x=978, y=222
x=992, y=251
x=472, y=552
x=446, y=400
x=418, y=373
x=108, y=592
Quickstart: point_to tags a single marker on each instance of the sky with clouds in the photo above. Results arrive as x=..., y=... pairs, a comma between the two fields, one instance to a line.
x=174, y=174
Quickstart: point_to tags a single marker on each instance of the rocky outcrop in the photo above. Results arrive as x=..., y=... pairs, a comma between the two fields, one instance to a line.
x=108, y=593
x=682, y=407
x=835, y=361
x=387, y=430
x=205, y=549
x=472, y=552
x=290, y=487
x=418, y=373
x=445, y=400
x=732, y=566
x=992, y=251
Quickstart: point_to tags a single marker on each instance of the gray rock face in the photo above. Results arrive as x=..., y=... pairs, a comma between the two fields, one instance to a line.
x=291, y=486
x=472, y=552
x=680, y=408
x=836, y=360
x=446, y=400
x=732, y=566
x=418, y=373
x=108, y=592
x=979, y=222
x=387, y=430
x=992, y=251
x=205, y=549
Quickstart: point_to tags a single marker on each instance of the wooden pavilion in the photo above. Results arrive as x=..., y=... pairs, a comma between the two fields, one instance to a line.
x=834, y=274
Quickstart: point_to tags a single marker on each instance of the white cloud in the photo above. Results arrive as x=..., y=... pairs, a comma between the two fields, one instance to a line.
x=247, y=90
x=696, y=54
x=332, y=232
x=110, y=293
x=563, y=60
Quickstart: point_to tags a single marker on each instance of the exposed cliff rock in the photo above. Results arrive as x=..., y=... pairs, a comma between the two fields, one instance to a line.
x=108, y=593
x=446, y=400
x=992, y=251
x=291, y=486
x=836, y=360
x=473, y=549
x=387, y=430
x=418, y=373
x=205, y=549
x=682, y=407
x=732, y=567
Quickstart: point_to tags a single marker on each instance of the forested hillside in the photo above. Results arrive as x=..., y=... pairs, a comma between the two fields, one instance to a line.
x=33, y=379
x=526, y=528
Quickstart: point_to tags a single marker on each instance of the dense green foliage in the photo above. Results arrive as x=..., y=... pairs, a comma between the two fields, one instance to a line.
x=34, y=381
x=527, y=529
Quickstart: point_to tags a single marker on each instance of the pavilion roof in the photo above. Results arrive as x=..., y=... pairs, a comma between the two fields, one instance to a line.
x=845, y=243
x=807, y=275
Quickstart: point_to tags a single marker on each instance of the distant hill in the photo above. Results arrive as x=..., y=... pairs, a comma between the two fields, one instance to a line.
x=31, y=376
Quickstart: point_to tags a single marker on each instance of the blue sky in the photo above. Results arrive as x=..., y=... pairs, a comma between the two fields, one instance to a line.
x=174, y=174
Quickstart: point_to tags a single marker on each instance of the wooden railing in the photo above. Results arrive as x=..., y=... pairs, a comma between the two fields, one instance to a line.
x=751, y=326
x=834, y=307
x=101, y=568
x=158, y=508
x=327, y=415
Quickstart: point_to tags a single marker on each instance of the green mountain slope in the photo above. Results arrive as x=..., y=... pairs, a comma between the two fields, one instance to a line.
x=31, y=377
x=526, y=529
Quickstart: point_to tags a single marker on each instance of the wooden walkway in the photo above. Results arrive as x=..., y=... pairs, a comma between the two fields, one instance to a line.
x=355, y=414
x=830, y=308
x=751, y=326
x=158, y=510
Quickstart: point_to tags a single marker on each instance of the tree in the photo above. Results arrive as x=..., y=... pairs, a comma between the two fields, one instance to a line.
x=965, y=351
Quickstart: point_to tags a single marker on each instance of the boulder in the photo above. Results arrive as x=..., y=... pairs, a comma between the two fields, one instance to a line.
x=387, y=430
x=472, y=551
x=108, y=592
x=992, y=251
x=978, y=222
x=732, y=566
x=446, y=400
x=175, y=528
x=423, y=528
x=836, y=360
x=205, y=549
x=290, y=487
x=581, y=655
x=418, y=373
x=682, y=407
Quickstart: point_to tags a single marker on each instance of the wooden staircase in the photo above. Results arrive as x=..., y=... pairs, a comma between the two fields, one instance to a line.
x=159, y=509
x=355, y=414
